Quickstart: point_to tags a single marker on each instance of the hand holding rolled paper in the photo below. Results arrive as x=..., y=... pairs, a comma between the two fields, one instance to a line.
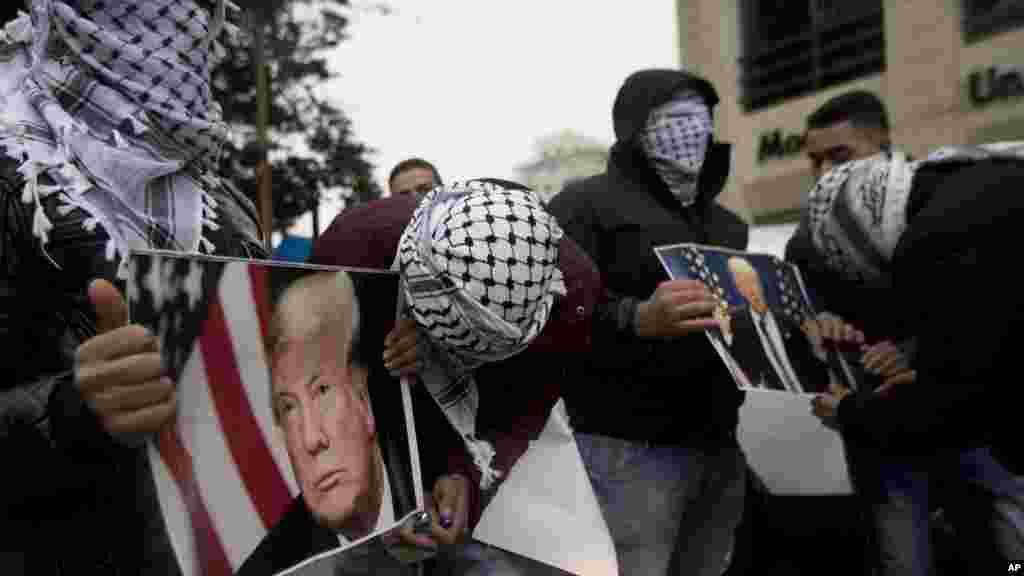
x=676, y=308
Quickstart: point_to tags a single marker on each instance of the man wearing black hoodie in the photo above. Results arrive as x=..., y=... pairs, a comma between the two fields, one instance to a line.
x=656, y=419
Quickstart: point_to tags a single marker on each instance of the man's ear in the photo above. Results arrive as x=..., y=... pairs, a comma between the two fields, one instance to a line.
x=882, y=139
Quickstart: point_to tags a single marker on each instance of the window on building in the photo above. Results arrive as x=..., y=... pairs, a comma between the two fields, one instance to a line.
x=982, y=18
x=794, y=47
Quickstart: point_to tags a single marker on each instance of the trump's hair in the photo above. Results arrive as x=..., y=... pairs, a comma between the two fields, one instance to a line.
x=741, y=266
x=312, y=306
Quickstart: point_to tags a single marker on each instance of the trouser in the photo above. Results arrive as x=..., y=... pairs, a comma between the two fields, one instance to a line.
x=987, y=526
x=670, y=509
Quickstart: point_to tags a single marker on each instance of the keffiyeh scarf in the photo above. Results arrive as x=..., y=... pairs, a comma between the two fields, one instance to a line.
x=110, y=100
x=857, y=211
x=479, y=266
x=676, y=140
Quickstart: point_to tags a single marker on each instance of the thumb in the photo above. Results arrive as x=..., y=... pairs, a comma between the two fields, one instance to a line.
x=446, y=495
x=111, y=309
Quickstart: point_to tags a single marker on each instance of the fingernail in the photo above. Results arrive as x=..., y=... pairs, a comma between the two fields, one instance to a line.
x=446, y=520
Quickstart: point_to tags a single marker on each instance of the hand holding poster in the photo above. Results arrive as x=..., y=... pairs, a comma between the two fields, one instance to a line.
x=291, y=440
x=769, y=344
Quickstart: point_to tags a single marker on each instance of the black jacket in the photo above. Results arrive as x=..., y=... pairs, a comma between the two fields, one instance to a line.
x=65, y=481
x=676, y=392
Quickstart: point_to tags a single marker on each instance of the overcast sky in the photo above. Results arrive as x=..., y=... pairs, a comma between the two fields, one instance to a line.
x=472, y=84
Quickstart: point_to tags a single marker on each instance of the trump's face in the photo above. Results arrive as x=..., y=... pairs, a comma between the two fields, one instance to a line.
x=749, y=285
x=329, y=431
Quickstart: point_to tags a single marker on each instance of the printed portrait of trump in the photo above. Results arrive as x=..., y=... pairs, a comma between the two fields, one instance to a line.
x=323, y=415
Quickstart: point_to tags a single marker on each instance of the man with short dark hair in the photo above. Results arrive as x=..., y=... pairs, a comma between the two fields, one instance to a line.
x=414, y=176
x=850, y=126
x=936, y=231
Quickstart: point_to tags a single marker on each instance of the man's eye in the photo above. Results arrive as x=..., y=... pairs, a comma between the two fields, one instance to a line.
x=322, y=389
x=285, y=407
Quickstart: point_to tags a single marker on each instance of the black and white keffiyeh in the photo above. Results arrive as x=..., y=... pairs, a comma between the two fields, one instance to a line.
x=111, y=101
x=857, y=211
x=479, y=266
x=676, y=140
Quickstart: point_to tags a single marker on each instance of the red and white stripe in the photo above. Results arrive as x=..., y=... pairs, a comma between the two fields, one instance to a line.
x=222, y=478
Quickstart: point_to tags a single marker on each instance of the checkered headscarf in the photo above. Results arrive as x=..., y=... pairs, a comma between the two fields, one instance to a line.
x=857, y=211
x=479, y=265
x=676, y=140
x=111, y=100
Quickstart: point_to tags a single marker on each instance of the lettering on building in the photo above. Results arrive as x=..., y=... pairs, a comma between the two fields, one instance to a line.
x=776, y=144
x=996, y=83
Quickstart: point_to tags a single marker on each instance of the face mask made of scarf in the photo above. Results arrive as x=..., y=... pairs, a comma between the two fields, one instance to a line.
x=675, y=141
x=479, y=275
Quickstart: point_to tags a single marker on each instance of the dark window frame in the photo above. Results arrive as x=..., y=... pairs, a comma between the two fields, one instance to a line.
x=798, y=64
x=980, y=24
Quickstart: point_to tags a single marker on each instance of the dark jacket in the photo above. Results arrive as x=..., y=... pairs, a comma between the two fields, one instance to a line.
x=516, y=394
x=952, y=277
x=676, y=392
x=867, y=305
x=62, y=474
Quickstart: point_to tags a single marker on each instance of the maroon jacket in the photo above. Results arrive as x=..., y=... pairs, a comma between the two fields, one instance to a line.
x=516, y=394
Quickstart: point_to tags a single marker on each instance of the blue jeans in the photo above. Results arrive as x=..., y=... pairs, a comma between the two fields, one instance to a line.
x=902, y=519
x=670, y=509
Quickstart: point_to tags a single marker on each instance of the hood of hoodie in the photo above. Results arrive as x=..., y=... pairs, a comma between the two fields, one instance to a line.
x=640, y=93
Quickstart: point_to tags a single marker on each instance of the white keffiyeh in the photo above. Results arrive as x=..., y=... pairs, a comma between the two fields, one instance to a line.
x=110, y=100
x=858, y=210
x=676, y=141
x=479, y=265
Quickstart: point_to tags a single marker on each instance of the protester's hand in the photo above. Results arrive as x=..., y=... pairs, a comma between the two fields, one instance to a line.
x=401, y=348
x=119, y=372
x=885, y=359
x=900, y=379
x=827, y=327
x=677, y=308
x=826, y=405
x=448, y=506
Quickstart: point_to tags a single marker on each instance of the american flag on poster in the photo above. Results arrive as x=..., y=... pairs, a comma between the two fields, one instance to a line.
x=212, y=316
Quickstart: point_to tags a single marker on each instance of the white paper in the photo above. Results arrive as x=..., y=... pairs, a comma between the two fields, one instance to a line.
x=546, y=509
x=789, y=448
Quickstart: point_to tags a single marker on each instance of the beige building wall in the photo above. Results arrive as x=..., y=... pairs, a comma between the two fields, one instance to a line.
x=924, y=85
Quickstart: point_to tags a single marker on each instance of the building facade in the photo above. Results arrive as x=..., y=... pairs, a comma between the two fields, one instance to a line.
x=949, y=71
